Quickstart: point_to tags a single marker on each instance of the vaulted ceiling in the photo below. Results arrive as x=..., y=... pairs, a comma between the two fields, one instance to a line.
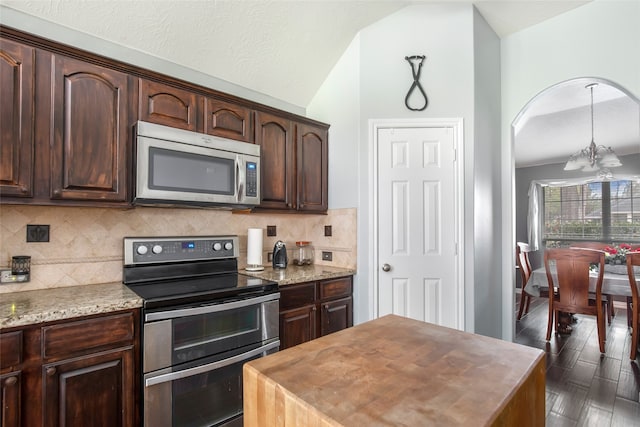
x=281, y=48
x=286, y=48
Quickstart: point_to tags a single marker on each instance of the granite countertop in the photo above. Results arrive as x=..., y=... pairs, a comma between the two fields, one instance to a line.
x=46, y=305
x=294, y=274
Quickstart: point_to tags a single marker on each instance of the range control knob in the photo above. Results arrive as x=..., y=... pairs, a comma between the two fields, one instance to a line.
x=228, y=246
x=217, y=246
x=142, y=250
x=157, y=249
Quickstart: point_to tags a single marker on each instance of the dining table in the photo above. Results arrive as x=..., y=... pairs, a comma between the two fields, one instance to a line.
x=614, y=284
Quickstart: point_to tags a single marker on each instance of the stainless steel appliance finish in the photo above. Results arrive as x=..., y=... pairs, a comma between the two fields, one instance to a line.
x=202, y=321
x=179, y=167
x=280, y=258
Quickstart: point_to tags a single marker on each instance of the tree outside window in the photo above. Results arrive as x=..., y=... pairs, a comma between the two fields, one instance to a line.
x=598, y=211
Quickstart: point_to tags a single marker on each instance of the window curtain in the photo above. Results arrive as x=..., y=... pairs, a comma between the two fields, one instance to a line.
x=535, y=215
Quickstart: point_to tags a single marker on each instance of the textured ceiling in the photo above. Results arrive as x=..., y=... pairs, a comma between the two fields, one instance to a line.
x=284, y=49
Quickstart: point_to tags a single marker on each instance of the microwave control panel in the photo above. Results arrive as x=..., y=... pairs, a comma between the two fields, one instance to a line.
x=252, y=179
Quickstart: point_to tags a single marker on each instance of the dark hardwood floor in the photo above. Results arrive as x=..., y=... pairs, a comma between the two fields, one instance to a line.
x=585, y=388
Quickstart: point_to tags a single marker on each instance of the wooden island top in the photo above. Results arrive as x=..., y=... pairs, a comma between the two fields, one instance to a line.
x=395, y=371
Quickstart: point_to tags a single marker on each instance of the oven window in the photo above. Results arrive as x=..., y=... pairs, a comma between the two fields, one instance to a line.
x=178, y=171
x=203, y=335
x=209, y=398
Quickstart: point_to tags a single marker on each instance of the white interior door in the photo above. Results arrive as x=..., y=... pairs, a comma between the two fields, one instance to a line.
x=417, y=211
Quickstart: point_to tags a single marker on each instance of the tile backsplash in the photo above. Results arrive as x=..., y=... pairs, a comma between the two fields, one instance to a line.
x=85, y=244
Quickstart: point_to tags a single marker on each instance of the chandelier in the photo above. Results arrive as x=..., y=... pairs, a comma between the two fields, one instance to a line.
x=594, y=157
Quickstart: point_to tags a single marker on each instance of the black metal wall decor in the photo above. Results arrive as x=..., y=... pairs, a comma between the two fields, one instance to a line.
x=416, y=60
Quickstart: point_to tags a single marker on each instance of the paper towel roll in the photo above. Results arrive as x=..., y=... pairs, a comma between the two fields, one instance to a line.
x=254, y=249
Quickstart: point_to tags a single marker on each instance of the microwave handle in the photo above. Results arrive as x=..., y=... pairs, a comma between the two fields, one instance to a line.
x=241, y=178
x=210, y=366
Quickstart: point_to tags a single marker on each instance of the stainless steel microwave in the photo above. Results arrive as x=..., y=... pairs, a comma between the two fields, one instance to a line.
x=179, y=167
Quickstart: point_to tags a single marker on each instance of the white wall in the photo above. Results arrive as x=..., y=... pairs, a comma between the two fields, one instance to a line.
x=493, y=307
x=445, y=34
x=599, y=39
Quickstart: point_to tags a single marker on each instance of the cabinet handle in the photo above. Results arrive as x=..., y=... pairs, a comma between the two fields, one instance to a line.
x=326, y=307
x=51, y=371
x=11, y=381
x=313, y=308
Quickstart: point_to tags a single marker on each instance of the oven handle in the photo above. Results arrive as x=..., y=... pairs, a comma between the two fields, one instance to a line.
x=172, y=314
x=210, y=366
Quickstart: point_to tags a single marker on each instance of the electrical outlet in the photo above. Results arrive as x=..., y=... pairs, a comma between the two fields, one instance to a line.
x=327, y=256
x=269, y=256
x=271, y=230
x=37, y=233
x=327, y=230
x=6, y=276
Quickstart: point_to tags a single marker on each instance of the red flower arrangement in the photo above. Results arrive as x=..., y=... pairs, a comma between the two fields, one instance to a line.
x=617, y=254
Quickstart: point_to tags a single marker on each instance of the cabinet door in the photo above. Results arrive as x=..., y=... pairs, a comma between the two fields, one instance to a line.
x=10, y=399
x=91, y=132
x=16, y=116
x=297, y=326
x=336, y=315
x=312, y=149
x=228, y=120
x=96, y=390
x=273, y=134
x=170, y=106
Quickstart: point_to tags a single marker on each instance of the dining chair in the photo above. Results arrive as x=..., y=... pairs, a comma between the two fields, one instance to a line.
x=599, y=246
x=633, y=260
x=522, y=261
x=572, y=280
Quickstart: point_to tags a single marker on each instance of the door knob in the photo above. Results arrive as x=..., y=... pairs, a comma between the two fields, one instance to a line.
x=386, y=267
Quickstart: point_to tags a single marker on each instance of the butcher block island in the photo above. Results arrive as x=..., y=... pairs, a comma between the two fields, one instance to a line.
x=395, y=371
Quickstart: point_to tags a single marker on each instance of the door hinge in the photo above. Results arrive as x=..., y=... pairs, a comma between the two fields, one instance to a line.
x=456, y=250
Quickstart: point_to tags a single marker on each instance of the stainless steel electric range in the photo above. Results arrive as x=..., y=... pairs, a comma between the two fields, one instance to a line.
x=201, y=322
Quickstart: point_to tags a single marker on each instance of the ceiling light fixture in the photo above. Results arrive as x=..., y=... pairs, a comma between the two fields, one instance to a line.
x=594, y=157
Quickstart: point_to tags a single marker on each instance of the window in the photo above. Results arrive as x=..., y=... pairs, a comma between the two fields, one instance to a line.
x=604, y=211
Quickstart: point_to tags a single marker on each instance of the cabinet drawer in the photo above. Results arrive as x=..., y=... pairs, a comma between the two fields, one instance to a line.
x=297, y=295
x=87, y=335
x=341, y=287
x=10, y=349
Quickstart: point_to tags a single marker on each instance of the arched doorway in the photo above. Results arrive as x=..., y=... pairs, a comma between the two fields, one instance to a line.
x=555, y=124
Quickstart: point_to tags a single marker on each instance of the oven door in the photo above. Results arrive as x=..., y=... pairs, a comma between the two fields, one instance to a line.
x=176, y=336
x=206, y=393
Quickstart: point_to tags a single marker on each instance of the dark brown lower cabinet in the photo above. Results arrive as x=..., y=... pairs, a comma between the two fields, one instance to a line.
x=336, y=315
x=297, y=326
x=314, y=309
x=77, y=372
x=89, y=391
x=10, y=399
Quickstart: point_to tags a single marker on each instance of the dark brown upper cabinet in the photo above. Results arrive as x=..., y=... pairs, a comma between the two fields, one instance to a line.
x=228, y=120
x=179, y=108
x=294, y=160
x=17, y=81
x=274, y=134
x=67, y=120
x=312, y=168
x=90, y=132
x=166, y=105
